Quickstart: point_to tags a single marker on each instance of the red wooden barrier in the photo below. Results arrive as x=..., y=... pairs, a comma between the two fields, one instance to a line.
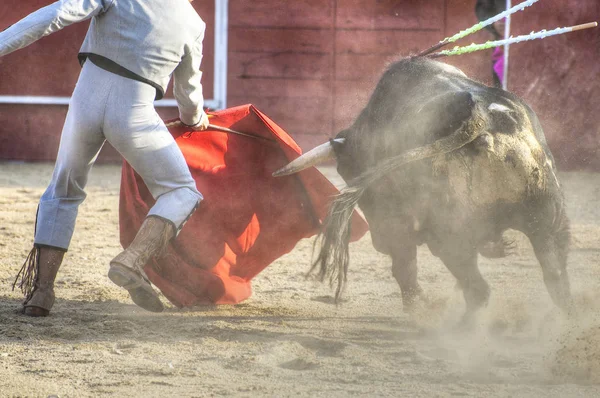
x=311, y=65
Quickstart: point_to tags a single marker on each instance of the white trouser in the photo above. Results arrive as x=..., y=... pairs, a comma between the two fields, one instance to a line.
x=105, y=106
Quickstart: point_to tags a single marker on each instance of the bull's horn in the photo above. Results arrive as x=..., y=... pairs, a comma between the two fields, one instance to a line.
x=311, y=158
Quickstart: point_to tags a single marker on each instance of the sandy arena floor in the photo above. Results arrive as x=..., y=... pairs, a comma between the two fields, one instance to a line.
x=289, y=340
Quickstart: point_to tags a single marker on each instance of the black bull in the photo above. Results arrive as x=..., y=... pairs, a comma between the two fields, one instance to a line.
x=440, y=159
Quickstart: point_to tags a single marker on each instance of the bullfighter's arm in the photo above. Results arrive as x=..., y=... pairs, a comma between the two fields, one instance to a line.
x=48, y=20
x=187, y=87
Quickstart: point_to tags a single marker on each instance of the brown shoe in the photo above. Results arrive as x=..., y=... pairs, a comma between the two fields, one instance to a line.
x=127, y=269
x=37, y=280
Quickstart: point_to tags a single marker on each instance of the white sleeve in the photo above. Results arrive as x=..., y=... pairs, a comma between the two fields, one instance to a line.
x=48, y=20
x=187, y=86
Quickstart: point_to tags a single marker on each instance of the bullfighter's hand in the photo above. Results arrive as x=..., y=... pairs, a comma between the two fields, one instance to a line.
x=202, y=124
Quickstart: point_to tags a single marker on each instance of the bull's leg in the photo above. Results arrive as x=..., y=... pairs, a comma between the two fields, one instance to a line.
x=462, y=263
x=404, y=269
x=551, y=251
x=549, y=234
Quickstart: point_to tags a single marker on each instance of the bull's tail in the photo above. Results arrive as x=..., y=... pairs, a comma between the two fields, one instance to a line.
x=333, y=258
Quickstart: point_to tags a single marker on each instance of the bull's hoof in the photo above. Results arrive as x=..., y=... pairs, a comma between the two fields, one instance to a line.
x=412, y=299
x=36, y=312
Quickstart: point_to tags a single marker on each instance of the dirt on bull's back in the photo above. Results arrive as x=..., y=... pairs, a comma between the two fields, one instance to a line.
x=289, y=338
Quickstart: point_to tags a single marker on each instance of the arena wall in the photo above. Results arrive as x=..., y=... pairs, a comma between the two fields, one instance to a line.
x=311, y=65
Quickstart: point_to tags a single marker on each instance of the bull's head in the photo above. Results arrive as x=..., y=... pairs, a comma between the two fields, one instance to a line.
x=311, y=158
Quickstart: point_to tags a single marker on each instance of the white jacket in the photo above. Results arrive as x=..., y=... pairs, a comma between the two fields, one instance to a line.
x=153, y=39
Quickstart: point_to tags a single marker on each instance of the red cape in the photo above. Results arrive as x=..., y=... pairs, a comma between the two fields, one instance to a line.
x=247, y=219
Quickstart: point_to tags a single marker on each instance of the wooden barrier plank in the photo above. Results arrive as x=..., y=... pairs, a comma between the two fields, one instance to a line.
x=390, y=14
x=278, y=87
x=276, y=13
x=245, y=39
x=280, y=65
x=388, y=42
x=30, y=132
x=367, y=67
